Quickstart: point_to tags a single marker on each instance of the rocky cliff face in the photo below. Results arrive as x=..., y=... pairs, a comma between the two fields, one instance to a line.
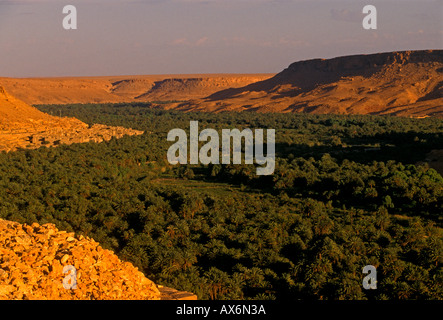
x=408, y=83
x=23, y=126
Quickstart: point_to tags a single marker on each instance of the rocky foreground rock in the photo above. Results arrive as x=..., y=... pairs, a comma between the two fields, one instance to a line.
x=33, y=259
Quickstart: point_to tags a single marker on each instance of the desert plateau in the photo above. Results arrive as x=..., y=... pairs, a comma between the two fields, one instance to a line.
x=406, y=83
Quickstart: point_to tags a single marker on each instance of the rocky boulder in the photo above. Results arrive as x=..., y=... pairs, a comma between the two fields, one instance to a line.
x=34, y=260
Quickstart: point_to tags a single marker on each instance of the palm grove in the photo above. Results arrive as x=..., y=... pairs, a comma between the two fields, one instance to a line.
x=346, y=192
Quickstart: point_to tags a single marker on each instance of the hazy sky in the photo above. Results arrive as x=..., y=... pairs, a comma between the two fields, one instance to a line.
x=125, y=37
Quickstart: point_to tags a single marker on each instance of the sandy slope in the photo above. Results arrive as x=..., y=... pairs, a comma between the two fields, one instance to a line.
x=14, y=112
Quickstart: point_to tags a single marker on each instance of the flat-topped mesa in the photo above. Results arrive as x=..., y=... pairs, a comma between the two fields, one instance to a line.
x=406, y=83
x=355, y=63
x=308, y=74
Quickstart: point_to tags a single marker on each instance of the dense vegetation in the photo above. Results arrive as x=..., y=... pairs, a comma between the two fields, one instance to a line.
x=345, y=193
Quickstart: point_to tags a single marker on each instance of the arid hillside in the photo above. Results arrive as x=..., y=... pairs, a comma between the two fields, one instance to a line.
x=124, y=88
x=23, y=126
x=408, y=83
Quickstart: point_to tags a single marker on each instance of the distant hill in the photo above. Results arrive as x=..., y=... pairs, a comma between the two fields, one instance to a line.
x=408, y=83
x=124, y=88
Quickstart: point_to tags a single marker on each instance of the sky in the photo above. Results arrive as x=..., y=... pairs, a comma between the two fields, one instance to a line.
x=142, y=37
